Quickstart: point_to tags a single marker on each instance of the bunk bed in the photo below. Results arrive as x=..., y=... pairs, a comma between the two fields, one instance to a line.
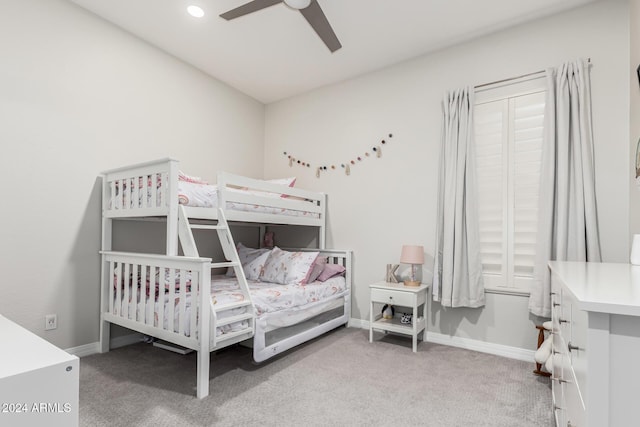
x=180, y=298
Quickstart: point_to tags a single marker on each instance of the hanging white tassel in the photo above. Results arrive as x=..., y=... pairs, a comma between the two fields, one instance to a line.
x=318, y=173
x=347, y=170
x=379, y=152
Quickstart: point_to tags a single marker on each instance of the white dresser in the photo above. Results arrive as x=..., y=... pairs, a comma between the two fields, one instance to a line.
x=596, y=343
x=39, y=383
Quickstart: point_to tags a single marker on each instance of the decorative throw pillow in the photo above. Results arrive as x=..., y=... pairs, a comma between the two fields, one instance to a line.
x=330, y=270
x=288, y=268
x=246, y=256
x=253, y=269
x=187, y=178
x=288, y=182
x=316, y=269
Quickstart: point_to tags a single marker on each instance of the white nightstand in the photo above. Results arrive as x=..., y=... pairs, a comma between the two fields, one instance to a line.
x=399, y=295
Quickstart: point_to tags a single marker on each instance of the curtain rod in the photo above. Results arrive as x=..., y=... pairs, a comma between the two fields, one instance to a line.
x=516, y=78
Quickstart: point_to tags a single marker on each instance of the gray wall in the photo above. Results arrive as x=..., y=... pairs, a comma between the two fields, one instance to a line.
x=78, y=96
x=391, y=201
x=634, y=114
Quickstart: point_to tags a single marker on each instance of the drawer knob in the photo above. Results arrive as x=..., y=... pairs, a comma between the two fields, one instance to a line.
x=563, y=321
x=571, y=347
x=560, y=380
x=555, y=304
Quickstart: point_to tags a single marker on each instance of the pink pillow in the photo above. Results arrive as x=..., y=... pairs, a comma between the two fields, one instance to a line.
x=330, y=270
x=315, y=270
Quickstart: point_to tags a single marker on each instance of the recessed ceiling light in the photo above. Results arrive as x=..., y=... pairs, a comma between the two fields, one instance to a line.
x=195, y=11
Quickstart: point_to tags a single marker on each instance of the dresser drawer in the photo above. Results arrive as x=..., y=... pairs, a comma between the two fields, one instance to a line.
x=557, y=388
x=556, y=305
x=574, y=414
x=579, y=341
x=393, y=297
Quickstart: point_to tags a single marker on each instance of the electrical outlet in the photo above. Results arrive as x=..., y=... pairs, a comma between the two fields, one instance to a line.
x=50, y=322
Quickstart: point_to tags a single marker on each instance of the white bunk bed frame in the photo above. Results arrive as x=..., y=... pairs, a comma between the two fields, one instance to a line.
x=167, y=170
x=162, y=201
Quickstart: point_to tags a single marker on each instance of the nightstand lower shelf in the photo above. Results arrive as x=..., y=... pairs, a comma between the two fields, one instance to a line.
x=394, y=325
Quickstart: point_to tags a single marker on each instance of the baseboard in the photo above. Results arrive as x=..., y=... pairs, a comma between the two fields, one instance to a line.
x=93, y=348
x=84, y=350
x=467, y=343
x=358, y=323
x=436, y=338
x=482, y=346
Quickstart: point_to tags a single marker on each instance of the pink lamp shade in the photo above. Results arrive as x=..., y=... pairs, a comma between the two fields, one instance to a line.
x=412, y=254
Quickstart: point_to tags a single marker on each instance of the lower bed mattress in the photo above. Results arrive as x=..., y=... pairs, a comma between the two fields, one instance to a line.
x=284, y=304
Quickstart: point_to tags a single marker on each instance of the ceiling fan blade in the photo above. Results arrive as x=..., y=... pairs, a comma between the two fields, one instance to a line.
x=318, y=21
x=248, y=8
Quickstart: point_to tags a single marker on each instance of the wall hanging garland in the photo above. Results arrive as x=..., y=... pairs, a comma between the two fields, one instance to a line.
x=376, y=150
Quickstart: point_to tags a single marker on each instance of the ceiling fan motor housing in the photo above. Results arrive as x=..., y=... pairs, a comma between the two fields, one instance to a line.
x=297, y=4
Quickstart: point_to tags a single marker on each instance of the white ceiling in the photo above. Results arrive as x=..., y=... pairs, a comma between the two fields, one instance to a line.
x=273, y=54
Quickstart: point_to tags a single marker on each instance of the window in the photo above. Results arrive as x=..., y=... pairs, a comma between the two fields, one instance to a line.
x=508, y=130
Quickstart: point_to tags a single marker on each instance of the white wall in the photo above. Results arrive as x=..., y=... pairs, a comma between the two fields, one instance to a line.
x=634, y=114
x=391, y=201
x=78, y=96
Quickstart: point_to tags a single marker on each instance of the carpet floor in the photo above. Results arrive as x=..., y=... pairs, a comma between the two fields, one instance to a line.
x=339, y=379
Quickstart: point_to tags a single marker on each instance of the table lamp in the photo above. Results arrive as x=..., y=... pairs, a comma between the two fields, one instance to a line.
x=414, y=255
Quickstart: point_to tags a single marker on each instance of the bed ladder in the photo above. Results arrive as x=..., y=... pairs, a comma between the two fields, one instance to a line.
x=190, y=249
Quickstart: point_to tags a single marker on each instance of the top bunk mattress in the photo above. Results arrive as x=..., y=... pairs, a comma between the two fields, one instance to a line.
x=206, y=196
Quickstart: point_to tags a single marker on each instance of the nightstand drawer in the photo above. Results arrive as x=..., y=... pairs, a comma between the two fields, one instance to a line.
x=393, y=297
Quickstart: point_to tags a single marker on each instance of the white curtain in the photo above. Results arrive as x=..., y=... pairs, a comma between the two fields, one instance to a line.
x=457, y=272
x=568, y=225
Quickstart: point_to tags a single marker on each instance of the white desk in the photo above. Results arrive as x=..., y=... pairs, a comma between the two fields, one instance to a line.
x=39, y=383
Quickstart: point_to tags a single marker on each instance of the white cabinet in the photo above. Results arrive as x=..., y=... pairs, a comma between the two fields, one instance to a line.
x=39, y=383
x=596, y=342
x=399, y=295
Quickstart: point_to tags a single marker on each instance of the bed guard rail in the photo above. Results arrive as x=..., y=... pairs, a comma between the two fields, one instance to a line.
x=152, y=294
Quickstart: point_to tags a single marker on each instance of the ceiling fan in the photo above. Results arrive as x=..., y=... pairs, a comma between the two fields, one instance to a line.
x=310, y=9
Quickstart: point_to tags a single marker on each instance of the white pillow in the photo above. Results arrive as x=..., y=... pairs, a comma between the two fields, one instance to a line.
x=288, y=268
x=199, y=195
x=247, y=255
x=187, y=178
x=253, y=269
x=288, y=182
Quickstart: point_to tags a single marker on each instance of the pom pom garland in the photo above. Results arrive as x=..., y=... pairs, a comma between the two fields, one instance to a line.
x=377, y=149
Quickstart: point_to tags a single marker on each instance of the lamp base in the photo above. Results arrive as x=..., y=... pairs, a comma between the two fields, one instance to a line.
x=413, y=283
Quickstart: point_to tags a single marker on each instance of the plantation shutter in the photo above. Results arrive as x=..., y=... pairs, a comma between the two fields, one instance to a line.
x=508, y=149
x=491, y=131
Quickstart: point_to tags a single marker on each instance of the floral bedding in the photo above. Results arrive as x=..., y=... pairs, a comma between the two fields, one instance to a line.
x=206, y=196
x=267, y=298
x=196, y=194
